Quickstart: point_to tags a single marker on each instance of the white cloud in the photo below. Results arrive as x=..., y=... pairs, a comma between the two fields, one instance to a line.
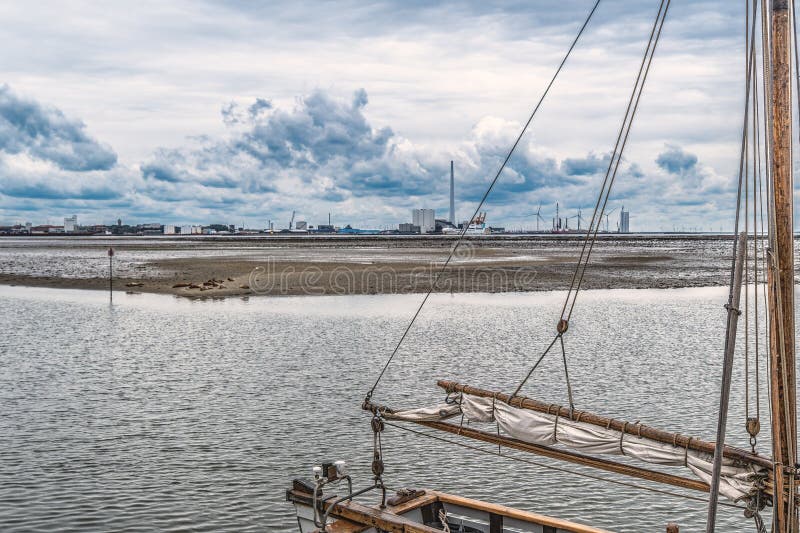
x=450, y=80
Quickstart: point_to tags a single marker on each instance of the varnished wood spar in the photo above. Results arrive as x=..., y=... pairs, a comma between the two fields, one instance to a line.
x=571, y=457
x=516, y=514
x=639, y=430
x=780, y=284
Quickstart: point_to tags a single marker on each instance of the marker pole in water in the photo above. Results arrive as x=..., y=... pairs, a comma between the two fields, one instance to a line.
x=110, y=275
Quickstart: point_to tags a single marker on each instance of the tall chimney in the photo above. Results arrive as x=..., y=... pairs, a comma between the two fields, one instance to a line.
x=452, y=196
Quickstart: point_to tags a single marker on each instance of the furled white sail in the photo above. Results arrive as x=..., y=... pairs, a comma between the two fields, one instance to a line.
x=738, y=482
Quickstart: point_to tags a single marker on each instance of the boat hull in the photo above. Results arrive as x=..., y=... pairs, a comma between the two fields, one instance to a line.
x=422, y=513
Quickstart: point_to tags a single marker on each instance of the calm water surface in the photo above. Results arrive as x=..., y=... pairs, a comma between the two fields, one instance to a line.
x=164, y=414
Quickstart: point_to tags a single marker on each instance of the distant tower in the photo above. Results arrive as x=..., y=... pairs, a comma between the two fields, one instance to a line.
x=119, y=222
x=624, y=221
x=557, y=219
x=452, y=195
x=71, y=224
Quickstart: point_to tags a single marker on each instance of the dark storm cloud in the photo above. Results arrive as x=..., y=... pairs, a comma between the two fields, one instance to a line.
x=45, y=133
x=676, y=161
x=320, y=136
x=425, y=63
x=325, y=149
x=519, y=18
x=317, y=131
x=585, y=166
x=49, y=191
x=258, y=106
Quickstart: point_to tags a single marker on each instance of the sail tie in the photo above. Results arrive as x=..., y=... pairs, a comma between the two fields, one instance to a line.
x=622, y=436
x=555, y=426
x=686, y=452
x=566, y=374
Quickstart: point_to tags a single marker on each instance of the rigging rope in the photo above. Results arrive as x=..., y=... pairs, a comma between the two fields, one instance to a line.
x=485, y=196
x=748, y=41
x=735, y=289
x=608, y=182
x=752, y=424
x=757, y=184
x=771, y=261
x=616, y=157
x=566, y=374
x=749, y=54
x=765, y=173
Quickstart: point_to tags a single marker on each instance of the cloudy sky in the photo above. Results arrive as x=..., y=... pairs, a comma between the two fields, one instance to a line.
x=241, y=112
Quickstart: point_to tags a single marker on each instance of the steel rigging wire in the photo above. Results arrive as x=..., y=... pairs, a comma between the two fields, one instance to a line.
x=608, y=183
x=483, y=199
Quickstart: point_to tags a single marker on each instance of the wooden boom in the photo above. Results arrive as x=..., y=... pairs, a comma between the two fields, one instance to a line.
x=570, y=457
x=639, y=430
x=561, y=454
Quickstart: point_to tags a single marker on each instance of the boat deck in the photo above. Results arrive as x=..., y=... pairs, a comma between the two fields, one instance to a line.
x=420, y=514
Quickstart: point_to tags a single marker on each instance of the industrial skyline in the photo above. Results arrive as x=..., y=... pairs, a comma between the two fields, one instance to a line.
x=423, y=221
x=203, y=140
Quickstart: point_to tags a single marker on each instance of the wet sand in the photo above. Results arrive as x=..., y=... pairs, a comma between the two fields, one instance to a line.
x=321, y=266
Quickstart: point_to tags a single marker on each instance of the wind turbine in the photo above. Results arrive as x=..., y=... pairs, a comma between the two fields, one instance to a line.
x=607, y=214
x=537, y=214
x=567, y=219
x=539, y=217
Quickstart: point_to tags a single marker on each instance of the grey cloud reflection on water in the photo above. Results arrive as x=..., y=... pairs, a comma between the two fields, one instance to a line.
x=166, y=413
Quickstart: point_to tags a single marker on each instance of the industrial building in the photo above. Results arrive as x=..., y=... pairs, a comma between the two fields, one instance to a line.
x=425, y=219
x=408, y=228
x=191, y=230
x=624, y=221
x=71, y=224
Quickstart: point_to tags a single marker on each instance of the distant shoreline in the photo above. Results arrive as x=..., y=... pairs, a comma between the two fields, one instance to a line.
x=201, y=279
x=222, y=266
x=290, y=237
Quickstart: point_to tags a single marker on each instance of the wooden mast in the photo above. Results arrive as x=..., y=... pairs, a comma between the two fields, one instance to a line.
x=780, y=277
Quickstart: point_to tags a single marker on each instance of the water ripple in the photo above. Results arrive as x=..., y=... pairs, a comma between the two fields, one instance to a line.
x=159, y=414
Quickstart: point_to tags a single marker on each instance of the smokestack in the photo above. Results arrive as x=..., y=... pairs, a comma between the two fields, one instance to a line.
x=452, y=196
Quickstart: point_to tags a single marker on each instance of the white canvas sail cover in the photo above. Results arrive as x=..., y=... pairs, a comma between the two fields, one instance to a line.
x=737, y=481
